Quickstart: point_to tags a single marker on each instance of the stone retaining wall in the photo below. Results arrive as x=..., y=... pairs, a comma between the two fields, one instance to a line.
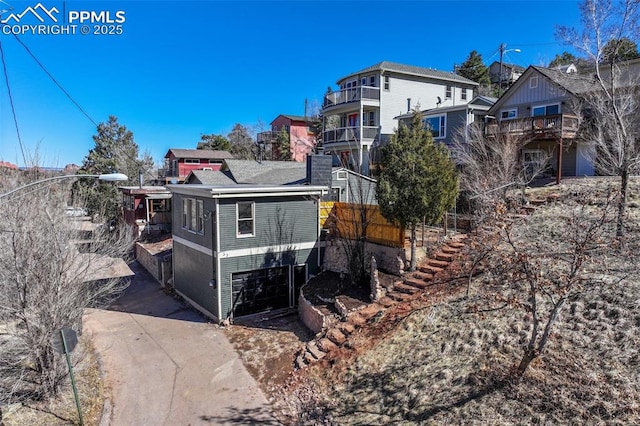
x=310, y=315
x=156, y=264
x=389, y=259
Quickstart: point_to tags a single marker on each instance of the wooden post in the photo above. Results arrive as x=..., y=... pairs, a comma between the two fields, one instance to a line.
x=559, y=172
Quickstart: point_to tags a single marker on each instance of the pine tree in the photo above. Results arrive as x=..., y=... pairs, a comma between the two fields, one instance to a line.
x=474, y=69
x=114, y=152
x=214, y=142
x=418, y=180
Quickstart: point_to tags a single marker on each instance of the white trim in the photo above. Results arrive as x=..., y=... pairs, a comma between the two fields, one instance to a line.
x=508, y=110
x=442, y=129
x=192, y=245
x=533, y=107
x=256, y=251
x=197, y=306
x=217, y=261
x=253, y=220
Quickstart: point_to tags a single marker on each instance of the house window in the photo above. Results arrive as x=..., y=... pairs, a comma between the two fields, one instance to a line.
x=363, y=81
x=372, y=118
x=341, y=175
x=335, y=193
x=533, y=160
x=158, y=206
x=543, y=110
x=533, y=82
x=128, y=202
x=437, y=125
x=509, y=114
x=191, y=161
x=372, y=80
x=244, y=214
x=193, y=223
x=386, y=82
x=200, y=217
x=193, y=215
x=447, y=92
x=215, y=161
x=186, y=205
x=463, y=94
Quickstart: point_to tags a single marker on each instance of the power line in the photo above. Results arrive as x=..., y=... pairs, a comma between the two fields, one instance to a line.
x=54, y=80
x=68, y=95
x=13, y=109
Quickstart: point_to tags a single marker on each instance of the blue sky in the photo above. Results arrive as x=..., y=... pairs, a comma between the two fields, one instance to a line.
x=180, y=69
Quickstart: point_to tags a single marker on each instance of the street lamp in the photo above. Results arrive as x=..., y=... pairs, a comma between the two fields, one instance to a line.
x=109, y=177
x=503, y=50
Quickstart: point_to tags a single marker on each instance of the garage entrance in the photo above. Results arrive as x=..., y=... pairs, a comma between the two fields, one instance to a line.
x=266, y=289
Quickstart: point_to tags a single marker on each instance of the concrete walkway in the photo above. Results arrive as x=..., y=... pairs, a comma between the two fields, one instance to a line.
x=164, y=365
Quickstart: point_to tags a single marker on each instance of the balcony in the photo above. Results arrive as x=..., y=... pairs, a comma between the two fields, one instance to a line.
x=541, y=127
x=267, y=137
x=350, y=134
x=353, y=94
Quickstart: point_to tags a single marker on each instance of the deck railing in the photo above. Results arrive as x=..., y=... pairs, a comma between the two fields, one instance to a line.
x=559, y=125
x=351, y=94
x=350, y=134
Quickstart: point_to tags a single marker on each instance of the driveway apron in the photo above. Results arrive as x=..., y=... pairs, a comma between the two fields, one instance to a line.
x=165, y=365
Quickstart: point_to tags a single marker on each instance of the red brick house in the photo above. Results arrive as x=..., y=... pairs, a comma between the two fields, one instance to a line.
x=180, y=162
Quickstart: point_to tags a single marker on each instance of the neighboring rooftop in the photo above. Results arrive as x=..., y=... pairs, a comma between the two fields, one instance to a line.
x=199, y=153
x=252, y=172
x=295, y=118
x=412, y=70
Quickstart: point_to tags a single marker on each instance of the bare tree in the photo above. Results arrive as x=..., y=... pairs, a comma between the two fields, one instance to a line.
x=490, y=163
x=541, y=264
x=351, y=224
x=611, y=109
x=46, y=281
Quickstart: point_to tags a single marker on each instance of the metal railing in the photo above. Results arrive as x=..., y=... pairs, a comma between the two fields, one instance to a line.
x=351, y=94
x=350, y=134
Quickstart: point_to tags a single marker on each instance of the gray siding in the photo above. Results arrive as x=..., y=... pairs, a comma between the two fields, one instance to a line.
x=229, y=266
x=456, y=122
x=277, y=221
x=193, y=270
x=205, y=239
x=524, y=97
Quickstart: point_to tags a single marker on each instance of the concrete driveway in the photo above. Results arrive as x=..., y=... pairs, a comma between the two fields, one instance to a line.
x=165, y=365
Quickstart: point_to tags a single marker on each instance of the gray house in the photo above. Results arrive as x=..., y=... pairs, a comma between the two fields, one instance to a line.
x=447, y=122
x=539, y=109
x=244, y=249
x=348, y=186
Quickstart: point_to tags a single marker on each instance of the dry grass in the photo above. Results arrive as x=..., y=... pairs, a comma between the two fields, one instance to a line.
x=62, y=410
x=444, y=365
x=268, y=347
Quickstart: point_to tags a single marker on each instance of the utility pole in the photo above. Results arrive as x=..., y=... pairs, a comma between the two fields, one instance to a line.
x=503, y=50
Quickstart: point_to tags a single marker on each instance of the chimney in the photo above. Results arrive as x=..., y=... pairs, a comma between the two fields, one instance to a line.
x=319, y=170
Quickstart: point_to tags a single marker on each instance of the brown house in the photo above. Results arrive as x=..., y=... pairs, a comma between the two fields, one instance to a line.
x=147, y=208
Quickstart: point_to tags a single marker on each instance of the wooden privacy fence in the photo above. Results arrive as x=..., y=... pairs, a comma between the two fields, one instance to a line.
x=344, y=220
